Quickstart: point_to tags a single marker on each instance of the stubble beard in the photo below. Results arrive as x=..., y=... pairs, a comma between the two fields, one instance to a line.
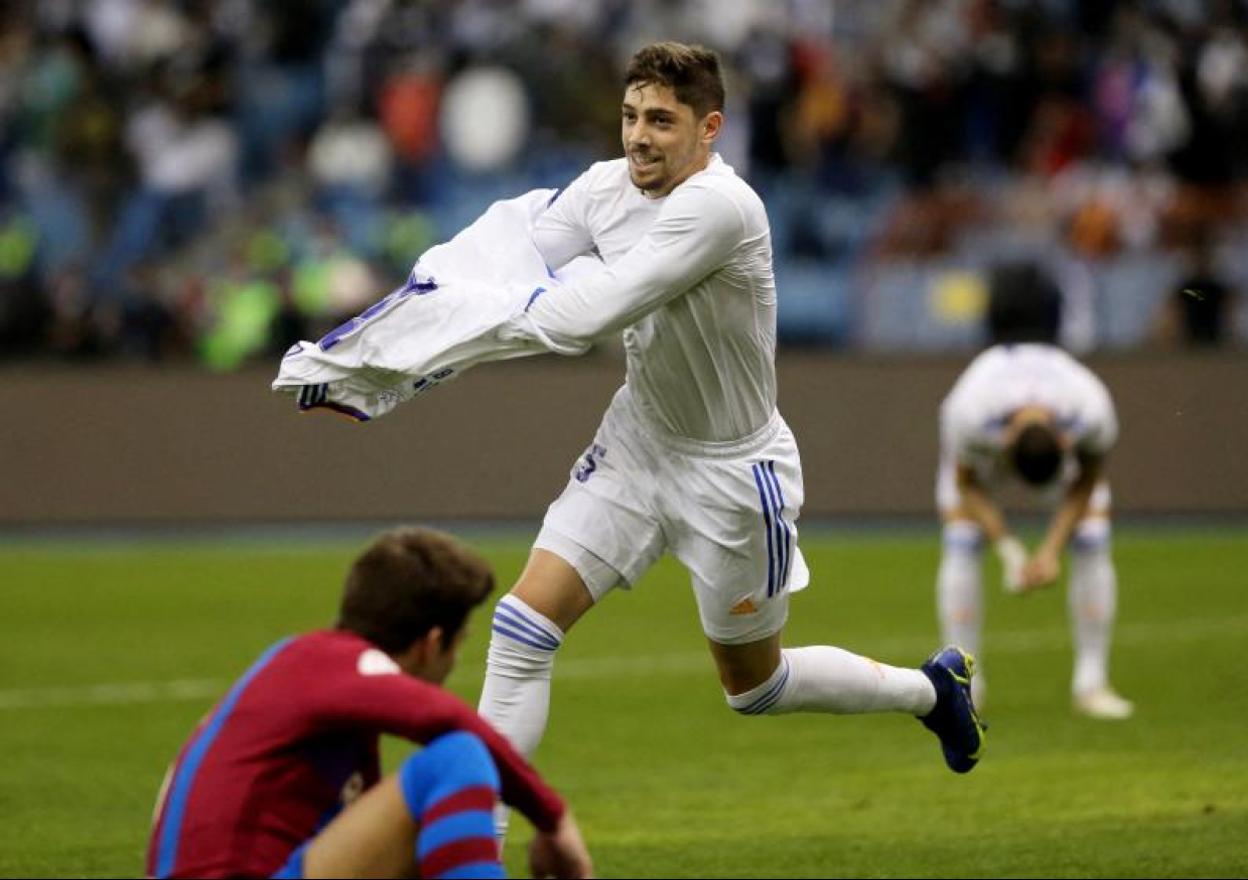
x=647, y=184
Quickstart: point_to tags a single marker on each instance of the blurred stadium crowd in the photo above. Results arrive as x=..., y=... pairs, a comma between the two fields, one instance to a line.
x=190, y=179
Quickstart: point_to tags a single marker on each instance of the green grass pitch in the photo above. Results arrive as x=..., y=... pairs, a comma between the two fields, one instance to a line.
x=111, y=652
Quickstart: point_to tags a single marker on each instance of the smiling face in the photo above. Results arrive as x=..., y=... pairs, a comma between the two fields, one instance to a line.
x=664, y=141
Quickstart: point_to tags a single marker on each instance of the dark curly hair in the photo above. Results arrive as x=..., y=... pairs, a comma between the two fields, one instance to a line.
x=1036, y=454
x=691, y=72
x=408, y=581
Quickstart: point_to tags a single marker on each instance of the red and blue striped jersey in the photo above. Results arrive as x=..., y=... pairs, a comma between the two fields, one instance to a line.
x=295, y=739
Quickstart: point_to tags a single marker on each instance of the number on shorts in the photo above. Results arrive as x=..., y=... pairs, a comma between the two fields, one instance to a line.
x=589, y=463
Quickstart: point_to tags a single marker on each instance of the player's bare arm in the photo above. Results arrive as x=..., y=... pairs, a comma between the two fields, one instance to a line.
x=977, y=505
x=1045, y=564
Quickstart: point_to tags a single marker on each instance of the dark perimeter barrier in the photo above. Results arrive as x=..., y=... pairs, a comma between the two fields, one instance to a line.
x=108, y=444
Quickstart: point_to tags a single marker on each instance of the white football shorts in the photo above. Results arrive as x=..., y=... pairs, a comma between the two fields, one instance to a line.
x=727, y=511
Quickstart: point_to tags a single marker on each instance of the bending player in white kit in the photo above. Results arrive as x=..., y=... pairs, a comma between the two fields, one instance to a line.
x=692, y=456
x=1033, y=414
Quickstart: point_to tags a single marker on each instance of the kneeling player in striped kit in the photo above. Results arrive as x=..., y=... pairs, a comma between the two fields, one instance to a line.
x=282, y=777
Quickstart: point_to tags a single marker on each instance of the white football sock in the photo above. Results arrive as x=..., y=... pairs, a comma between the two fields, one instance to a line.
x=819, y=678
x=959, y=587
x=1092, y=601
x=516, y=695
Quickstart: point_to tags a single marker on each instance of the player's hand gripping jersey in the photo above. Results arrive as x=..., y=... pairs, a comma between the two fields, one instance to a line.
x=688, y=276
x=456, y=309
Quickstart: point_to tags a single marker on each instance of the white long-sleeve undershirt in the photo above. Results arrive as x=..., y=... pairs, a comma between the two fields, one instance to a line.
x=689, y=280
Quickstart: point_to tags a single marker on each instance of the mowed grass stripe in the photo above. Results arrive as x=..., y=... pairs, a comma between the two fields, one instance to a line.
x=113, y=694
x=626, y=666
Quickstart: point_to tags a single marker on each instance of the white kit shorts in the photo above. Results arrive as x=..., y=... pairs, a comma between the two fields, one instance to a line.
x=727, y=511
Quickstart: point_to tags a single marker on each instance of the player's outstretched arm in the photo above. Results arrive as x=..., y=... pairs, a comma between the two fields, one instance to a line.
x=560, y=853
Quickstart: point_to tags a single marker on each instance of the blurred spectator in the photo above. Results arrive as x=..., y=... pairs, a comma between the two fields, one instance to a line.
x=22, y=311
x=1197, y=313
x=925, y=64
x=350, y=165
x=283, y=97
x=72, y=329
x=408, y=111
x=242, y=309
x=1214, y=84
x=1024, y=305
x=186, y=154
x=153, y=150
x=476, y=93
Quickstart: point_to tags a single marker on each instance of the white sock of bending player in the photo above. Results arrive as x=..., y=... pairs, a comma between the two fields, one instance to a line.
x=819, y=678
x=516, y=695
x=960, y=593
x=1092, y=601
x=959, y=586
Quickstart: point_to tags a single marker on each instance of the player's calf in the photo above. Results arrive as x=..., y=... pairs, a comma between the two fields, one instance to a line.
x=1093, y=599
x=434, y=818
x=451, y=789
x=823, y=678
x=516, y=695
x=521, y=658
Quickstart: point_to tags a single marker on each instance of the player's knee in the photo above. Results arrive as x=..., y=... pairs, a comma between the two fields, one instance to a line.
x=454, y=762
x=523, y=642
x=962, y=538
x=466, y=753
x=1092, y=535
